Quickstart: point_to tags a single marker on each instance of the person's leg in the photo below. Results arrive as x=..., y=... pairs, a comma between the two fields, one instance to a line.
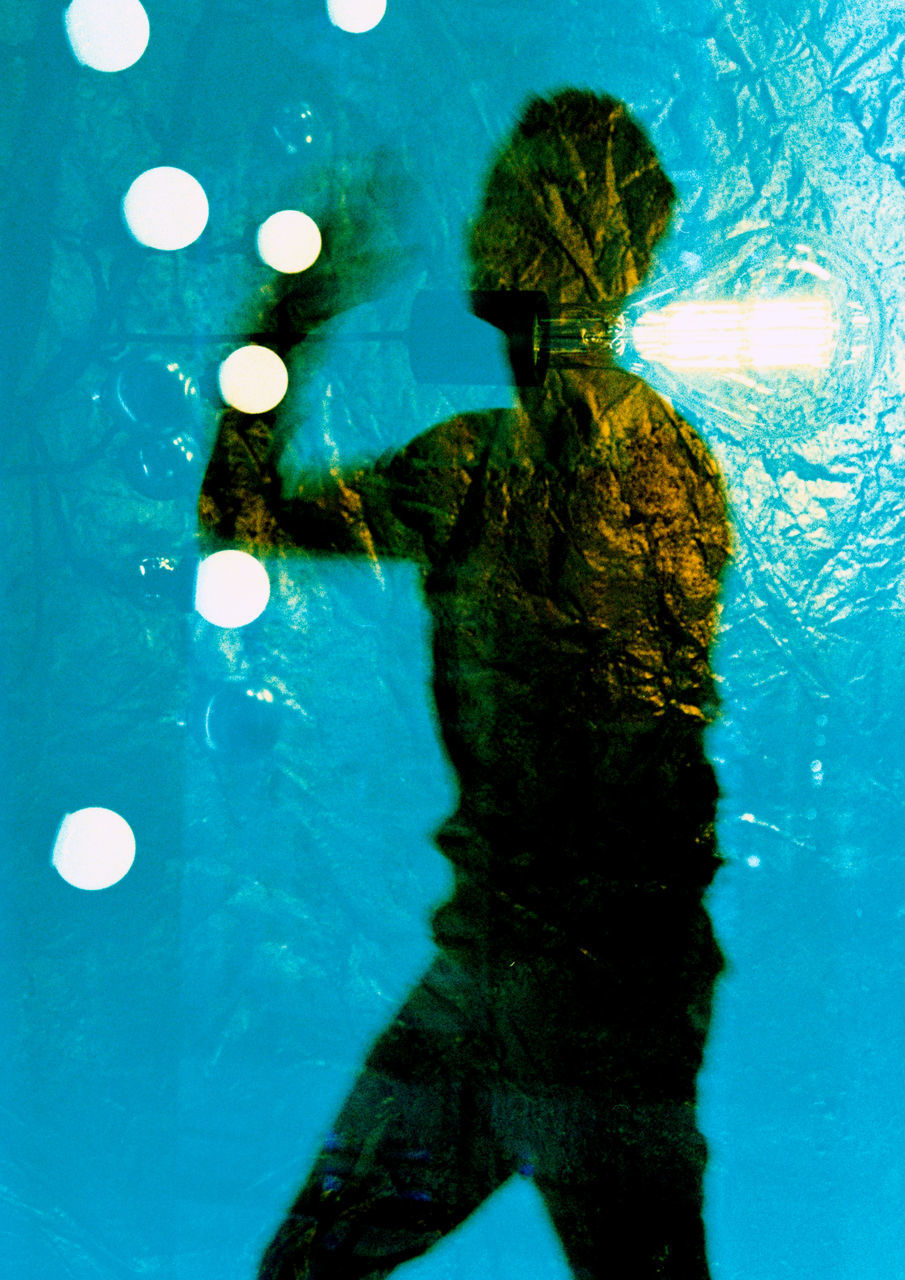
x=410, y=1155
x=631, y=1204
x=620, y=1159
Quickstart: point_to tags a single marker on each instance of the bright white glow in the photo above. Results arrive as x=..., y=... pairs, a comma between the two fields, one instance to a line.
x=791, y=333
x=107, y=35
x=165, y=208
x=753, y=861
x=232, y=589
x=253, y=379
x=94, y=848
x=809, y=267
x=289, y=241
x=356, y=15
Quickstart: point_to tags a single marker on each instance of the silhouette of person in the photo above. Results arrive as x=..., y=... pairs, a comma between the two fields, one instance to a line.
x=571, y=551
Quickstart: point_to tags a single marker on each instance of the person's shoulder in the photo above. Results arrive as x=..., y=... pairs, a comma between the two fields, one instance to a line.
x=662, y=432
x=457, y=443
x=420, y=489
x=671, y=474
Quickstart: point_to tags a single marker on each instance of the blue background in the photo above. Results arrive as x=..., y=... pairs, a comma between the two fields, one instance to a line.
x=175, y=1045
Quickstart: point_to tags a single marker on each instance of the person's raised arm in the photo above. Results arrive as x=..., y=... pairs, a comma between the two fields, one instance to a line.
x=403, y=505
x=242, y=497
x=242, y=500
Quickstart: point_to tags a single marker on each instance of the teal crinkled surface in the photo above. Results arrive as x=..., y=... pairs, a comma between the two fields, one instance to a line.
x=180, y=1041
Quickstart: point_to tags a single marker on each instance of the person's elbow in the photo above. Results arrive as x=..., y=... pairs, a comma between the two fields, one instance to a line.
x=216, y=522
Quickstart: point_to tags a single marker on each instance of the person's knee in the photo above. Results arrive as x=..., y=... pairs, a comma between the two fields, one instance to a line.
x=353, y=1231
x=288, y=1256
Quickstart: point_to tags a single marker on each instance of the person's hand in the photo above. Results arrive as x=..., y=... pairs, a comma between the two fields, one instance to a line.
x=364, y=248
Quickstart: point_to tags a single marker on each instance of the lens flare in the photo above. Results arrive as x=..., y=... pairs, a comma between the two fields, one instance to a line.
x=165, y=208
x=232, y=589
x=107, y=35
x=356, y=16
x=289, y=241
x=253, y=379
x=94, y=848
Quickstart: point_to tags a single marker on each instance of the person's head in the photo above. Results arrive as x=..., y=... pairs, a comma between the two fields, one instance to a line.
x=574, y=204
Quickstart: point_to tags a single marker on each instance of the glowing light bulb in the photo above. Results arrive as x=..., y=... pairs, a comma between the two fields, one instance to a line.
x=253, y=379
x=94, y=848
x=289, y=241
x=356, y=16
x=165, y=208
x=777, y=336
x=739, y=336
x=107, y=35
x=232, y=589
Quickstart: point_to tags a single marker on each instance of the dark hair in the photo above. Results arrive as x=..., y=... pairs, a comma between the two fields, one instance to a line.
x=574, y=203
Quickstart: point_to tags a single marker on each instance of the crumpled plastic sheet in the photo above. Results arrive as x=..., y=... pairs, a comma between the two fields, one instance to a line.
x=177, y=1043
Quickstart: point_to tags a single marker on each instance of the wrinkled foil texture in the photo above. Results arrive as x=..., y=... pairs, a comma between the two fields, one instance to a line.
x=178, y=1042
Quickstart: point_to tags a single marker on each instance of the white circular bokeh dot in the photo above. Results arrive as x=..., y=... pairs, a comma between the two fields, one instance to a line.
x=107, y=35
x=356, y=15
x=232, y=589
x=94, y=848
x=253, y=379
x=165, y=208
x=289, y=241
